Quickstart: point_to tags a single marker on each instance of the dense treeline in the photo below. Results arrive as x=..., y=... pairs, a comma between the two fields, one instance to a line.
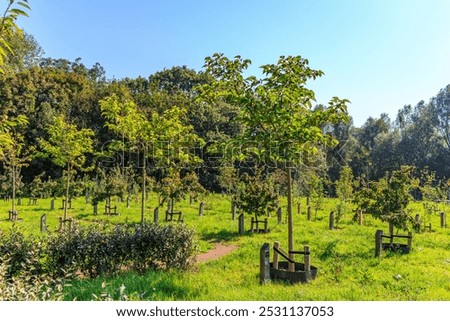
x=42, y=88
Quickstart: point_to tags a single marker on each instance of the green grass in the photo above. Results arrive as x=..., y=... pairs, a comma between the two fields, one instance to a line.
x=348, y=270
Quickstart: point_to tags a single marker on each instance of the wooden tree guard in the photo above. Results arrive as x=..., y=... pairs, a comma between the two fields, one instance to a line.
x=443, y=220
x=255, y=225
x=264, y=264
x=360, y=217
x=170, y=216
x=309, y=213
x=241, y=224
x=379, y=241
x=62, y=224
x=306, y=256
x=200, y=209
x=331, y=224
x=280, y=215
x=13, y=215
x=156, y=215
x=233, y=211
x=44, y=223
x=111, y=210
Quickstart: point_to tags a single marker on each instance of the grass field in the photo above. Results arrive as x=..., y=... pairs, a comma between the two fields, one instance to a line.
x=348, y=270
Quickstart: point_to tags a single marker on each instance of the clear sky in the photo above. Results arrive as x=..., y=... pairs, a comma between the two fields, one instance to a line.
x=379, y=54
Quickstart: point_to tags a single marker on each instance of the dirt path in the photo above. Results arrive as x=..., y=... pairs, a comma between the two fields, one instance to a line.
x=217, y=252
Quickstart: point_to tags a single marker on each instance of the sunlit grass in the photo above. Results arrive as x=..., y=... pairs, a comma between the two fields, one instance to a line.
x=345, y=258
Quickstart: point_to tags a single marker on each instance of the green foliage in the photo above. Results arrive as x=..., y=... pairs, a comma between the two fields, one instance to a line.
x=27, y=286
x=8, y=27
x=390, y=197
x=344, y=192
x=316, y=192
x=22, y=254
x=344, y=186
x=276, y=111
x=255, y=195
x=67, y=146
x=110, y=182
x=96, y=251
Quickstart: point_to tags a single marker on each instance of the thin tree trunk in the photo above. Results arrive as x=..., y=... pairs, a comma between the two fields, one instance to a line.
x=291, y=266
x=144, y=169
x=13, y=187
x=67, y=191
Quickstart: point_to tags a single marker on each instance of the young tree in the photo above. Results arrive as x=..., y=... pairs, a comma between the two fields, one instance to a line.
x=344, y=191
x=12, y=150
x=255, y=195
x=276, y=111
x=163, y=136
x=67, y=147
x=390, y=196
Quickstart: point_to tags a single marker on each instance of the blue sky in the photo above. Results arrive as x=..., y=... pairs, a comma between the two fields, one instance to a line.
x=379, y=54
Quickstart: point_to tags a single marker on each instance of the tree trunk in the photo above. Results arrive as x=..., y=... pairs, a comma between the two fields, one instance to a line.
x=67, y=191
x=13, y=187
x=291, y=266
x=144, y=178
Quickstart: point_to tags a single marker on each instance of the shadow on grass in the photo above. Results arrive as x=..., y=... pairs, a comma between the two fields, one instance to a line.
x=222, y=235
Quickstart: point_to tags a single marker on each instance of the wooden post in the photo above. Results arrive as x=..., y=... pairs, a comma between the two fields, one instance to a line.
x=298, y=208
x=169, y=206
x=417, y=218
x=264, y=265
x=442, y=219
x=233, y=211
x=391, y=232
x=52, y=204
x=360, y=217
x=307, y=259
x=252, y=224
x=331, y=224
x=60, y=224
x=241, y=224
x=309, y=213
x=280, y=215
x=156, y=214
x=70, y=224
x=44, y=223
x=378, y=243
x=200, y=209
x=410, y=240
x=276, y=245
x=266, y=225
x=95, y=207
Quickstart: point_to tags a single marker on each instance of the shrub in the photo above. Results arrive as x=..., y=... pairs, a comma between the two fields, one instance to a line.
x=96, y=251
x=22, y=253
x=26, y=286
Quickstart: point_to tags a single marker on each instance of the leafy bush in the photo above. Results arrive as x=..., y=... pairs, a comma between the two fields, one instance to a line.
x=96, y=251
x=26, y=286
x=23, y=253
